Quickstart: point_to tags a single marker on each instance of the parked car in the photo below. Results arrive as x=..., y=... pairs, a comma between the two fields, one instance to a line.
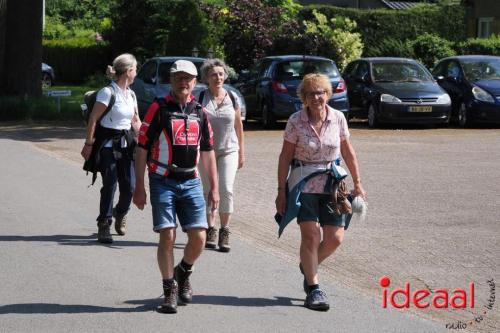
x=395, y=90
x=47, y=76
x=270, y=87
x=473, y=83
x=153, y=80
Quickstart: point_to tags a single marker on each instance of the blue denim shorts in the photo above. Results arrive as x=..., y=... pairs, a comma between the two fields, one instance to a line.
x=181, y=198
x=317, y=207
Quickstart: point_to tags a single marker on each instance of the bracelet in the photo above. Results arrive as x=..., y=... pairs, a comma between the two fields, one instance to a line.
x=281, y=188
x=357, y=181
x=88, y=144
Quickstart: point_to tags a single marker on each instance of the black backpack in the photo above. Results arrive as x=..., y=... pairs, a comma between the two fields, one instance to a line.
x=89, y=100
x=202, y=94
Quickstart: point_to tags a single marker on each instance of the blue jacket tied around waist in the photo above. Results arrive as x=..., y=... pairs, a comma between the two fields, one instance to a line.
x=295, y=185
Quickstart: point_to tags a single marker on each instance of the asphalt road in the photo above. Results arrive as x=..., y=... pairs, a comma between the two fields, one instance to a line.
x=433, y=222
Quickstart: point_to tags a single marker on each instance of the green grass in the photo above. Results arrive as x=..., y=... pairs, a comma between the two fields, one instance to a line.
x=45, y=108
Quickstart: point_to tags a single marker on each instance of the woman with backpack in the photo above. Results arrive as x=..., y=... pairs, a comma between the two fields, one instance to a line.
x=111, y=138
x=223, y=108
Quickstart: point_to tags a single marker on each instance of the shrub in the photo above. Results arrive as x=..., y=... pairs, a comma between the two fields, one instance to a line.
x=44, y=108
x=75, y=59
x=391, y=47
x=429, y=48
x=490, y=46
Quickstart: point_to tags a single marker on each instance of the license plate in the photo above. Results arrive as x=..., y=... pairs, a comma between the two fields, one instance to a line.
x=420, y=109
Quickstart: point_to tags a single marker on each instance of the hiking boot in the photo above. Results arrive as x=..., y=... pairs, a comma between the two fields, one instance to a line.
x=211, y=238
x=317, y=300
x=304, y=283
x=182, y=277
x=120, y=222
x=224, y=239
x=169, y=305
x=103, y=233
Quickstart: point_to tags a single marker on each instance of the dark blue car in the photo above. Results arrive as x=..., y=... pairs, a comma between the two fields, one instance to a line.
x=395, y=90
x=270, y=87
x=473, y=83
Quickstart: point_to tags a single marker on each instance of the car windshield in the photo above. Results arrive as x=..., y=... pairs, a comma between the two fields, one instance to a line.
x=164, y=71
x=399, y=72
x=296, y=69
x=486, y=69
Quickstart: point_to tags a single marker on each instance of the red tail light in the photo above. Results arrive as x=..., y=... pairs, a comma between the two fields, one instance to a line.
x=279, y=87
x=341, y=87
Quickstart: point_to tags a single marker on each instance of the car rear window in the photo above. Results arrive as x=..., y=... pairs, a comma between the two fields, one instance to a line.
x=296, y=69
x=164, y=71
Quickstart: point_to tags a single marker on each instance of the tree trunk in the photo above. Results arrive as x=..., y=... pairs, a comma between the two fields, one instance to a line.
x=3, y=18
x=23, y=49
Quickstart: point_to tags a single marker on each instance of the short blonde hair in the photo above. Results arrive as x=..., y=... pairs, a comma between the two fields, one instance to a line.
x=311, y=81
x=121, y=64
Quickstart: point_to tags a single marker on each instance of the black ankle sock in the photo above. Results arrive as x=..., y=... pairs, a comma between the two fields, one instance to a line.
x=185, y=266
x=313, y=287
x=167, y=283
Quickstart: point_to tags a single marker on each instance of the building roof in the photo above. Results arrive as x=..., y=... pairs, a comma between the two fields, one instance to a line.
x=400, y=4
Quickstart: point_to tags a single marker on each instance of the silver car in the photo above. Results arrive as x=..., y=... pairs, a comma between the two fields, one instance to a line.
x=153, y=80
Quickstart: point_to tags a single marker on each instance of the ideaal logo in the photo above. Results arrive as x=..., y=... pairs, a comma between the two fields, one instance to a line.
x=423, y=298
x=439, y=298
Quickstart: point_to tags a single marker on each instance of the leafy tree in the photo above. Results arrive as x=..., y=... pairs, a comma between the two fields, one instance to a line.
x=253, y=26
x=334, y=38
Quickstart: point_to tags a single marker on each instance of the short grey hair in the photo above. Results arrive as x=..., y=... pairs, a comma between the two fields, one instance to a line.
x=209, y=64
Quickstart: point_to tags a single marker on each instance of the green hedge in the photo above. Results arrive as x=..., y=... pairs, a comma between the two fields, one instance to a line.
x=76, y=59
x=376, y=25
x=490, y=46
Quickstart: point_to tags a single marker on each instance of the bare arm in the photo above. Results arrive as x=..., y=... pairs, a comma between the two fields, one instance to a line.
x=238, y=126
x=349, y=156
x=95, y=115
x=285, y=159
x=140, y=169
x=136, y=123
x=208, y=160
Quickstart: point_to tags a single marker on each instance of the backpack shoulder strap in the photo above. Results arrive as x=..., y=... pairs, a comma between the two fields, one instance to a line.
x=233, y=100
x=202, y=95
x=112, y=101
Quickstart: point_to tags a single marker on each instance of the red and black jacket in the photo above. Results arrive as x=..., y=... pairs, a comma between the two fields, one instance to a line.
x=174, y=137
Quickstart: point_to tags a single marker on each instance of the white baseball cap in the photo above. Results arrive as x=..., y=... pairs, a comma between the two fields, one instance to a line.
x=184, y=66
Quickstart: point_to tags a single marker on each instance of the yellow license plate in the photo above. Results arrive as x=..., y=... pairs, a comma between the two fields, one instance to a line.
x=420, y=109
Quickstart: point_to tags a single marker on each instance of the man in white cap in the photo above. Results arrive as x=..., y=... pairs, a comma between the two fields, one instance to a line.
x=174, y=136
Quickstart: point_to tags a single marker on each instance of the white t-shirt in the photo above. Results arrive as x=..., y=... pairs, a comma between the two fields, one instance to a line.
x=121, y=114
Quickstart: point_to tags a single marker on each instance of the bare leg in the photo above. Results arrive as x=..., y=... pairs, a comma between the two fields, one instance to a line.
x=309, y=245
x=224, y=219
x=165, y=253
x=332, y=238
x=195, y=245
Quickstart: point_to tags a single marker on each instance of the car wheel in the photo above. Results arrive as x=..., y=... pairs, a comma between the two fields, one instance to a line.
x=268, y=118
x=462, y=116
x=372, y=117
x=46, y=81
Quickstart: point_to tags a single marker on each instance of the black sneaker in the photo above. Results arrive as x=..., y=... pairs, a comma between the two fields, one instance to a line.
x=103, y=233
x=211, y=238
x=182, y=277
x=120, y=222
x=170, y=303
x=317, y=300
x=224, y=239
x=304, y=283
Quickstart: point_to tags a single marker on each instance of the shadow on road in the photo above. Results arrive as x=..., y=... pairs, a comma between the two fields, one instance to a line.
x=245, y=301
x=144, y=305
x=40, y=132
x=90, y=240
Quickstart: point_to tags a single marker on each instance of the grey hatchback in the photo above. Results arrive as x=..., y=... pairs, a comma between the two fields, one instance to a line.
x=153, y=80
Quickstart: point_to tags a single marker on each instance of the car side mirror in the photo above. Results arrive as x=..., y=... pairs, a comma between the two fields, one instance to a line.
x=148, y=80
x=453, y=79
x=362, y=79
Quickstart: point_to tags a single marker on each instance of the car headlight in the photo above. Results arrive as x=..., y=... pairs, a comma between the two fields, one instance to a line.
x=482, y=95
x=386, y=98
x=443, y=99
